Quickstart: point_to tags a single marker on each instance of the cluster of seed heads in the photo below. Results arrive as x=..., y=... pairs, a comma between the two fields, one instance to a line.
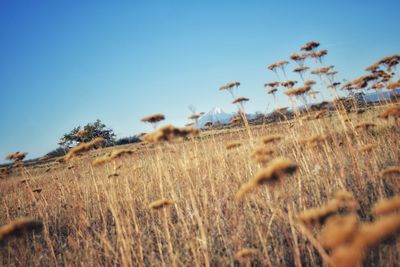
x=170, y=133
x=84, y=147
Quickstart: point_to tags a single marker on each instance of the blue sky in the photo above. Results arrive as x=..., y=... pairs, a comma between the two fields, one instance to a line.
x=66, y=63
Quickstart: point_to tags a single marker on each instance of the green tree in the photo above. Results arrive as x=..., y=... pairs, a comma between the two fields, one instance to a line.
x=87, y=133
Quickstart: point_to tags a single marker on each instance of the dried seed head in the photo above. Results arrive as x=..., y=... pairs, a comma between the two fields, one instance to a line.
x=282, y=63
x=17, y=156
x=339, y=230
x=154, y=118
x=240, y=100
x=262, y=154
x=386, y=206
x=334, y=85
x=246, y=253
x=365, y=125
x=372, y=233
x=310, y=82
x=367, y=147
x=362, y=82
x=298, y=91
x=229, y=86
x=233, y=145
x=294, y=57
x=341, y=200
x=272, y=84
x=288, y=84
x=301, y=69
x=120, y=153
x=272, y=66
x=271, y=138
x=18, y=226
x=322, y=70
x=113, y=175
x=390, y=112
x=276, y=169
x=387, y=60
x=318, y=215
x=319, y=54
x=373, y=68
x=313, y=140
x=170, y=133
x=309, y=46
x=331, y=73
x=84, y=147
x=390, y=171
x=348, y=256
x=161, y=203
x=366, y=235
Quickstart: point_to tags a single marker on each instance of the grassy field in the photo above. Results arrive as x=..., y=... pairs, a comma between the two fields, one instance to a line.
x=101, y=215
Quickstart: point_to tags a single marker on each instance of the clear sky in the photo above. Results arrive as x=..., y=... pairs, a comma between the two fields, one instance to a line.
x=67, y=63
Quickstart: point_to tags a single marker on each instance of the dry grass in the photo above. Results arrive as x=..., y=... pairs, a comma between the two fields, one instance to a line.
x=106, y=214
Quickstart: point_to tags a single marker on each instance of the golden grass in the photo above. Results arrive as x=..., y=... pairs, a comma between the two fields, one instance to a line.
x=105, y=215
